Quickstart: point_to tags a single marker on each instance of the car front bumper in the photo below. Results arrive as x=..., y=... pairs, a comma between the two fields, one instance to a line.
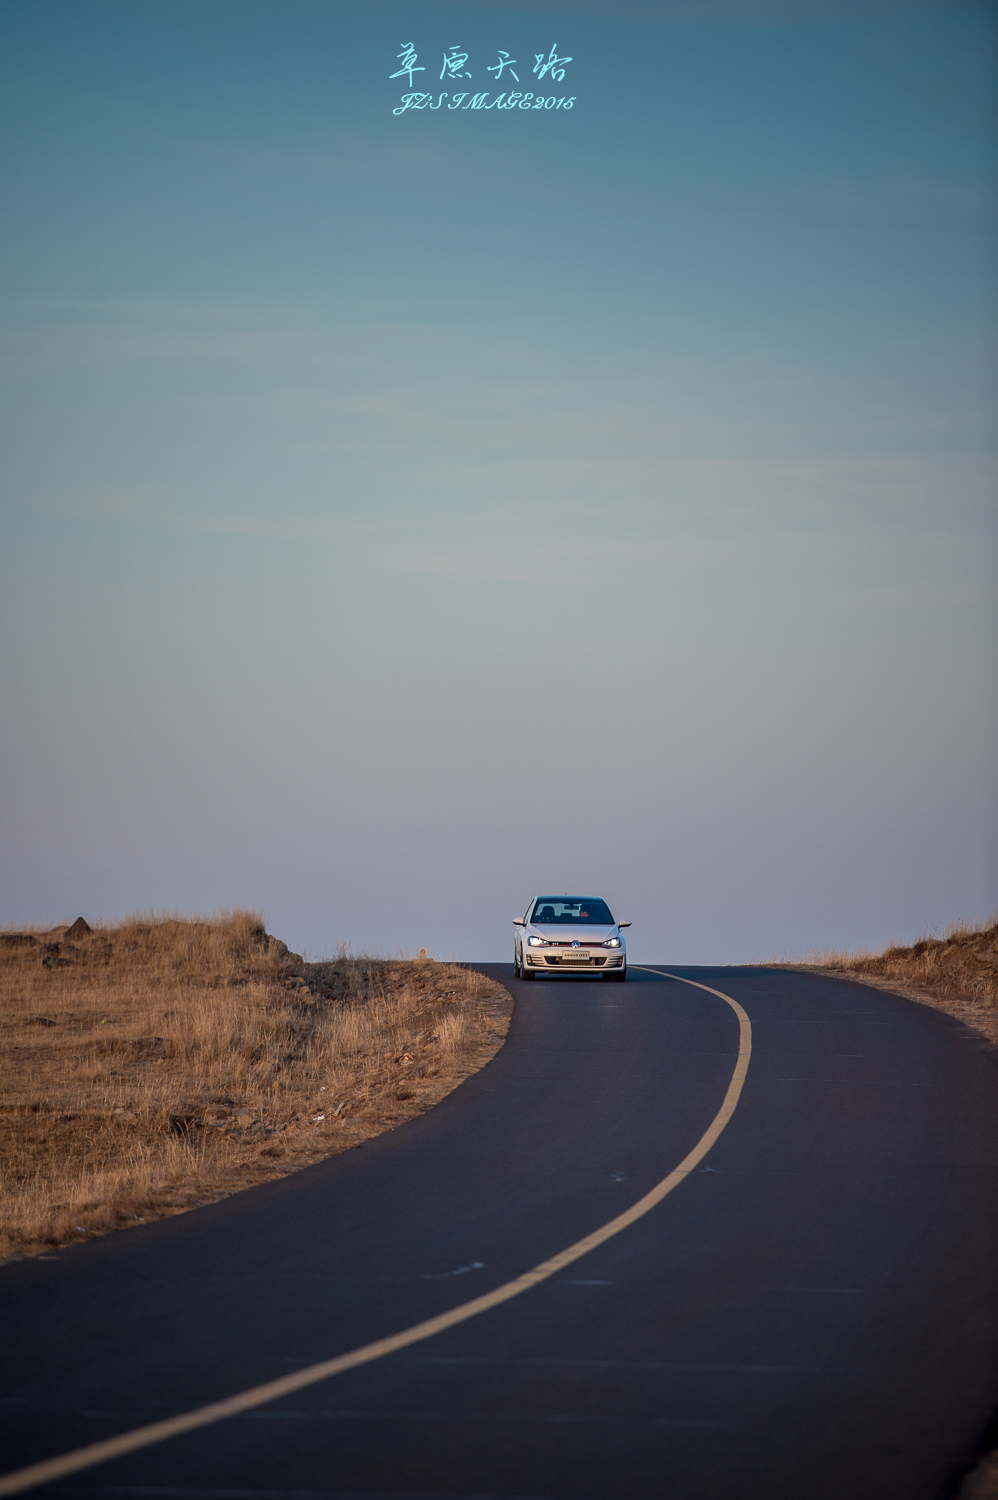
x=562, y=962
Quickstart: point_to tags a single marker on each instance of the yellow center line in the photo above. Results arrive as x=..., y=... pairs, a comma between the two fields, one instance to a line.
x=259, y=1395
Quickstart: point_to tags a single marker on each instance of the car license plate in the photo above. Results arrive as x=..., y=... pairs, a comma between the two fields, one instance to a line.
x=577, y=955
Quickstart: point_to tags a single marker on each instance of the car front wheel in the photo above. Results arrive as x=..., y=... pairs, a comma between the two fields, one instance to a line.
x=525, y=972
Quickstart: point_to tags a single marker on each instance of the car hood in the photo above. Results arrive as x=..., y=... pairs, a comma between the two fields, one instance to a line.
x=574, y=933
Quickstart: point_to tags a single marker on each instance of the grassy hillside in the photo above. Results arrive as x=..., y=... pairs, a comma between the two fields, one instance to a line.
x=957, y=972
x=166, y=1062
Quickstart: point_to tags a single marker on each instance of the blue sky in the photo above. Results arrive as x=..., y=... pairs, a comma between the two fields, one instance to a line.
x=404, y=514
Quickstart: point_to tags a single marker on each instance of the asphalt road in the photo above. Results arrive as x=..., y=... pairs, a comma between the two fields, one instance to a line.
x=811, y=1315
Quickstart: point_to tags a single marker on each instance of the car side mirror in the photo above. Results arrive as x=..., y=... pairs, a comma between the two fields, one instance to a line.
x=519, y=922
x=623, y=924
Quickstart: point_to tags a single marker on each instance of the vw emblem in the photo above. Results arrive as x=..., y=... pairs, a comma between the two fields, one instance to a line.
x=575, y=943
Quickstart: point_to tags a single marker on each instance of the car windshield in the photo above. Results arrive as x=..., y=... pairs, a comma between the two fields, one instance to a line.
x=568, y=911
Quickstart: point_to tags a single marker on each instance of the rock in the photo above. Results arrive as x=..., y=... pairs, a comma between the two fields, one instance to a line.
x=40, y=1021
x=126, y=1116
x=56, y=955
x=79, y=929
x=245, y=1121
x=18, y=940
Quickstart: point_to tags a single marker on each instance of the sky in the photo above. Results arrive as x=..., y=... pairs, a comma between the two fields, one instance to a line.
x=405, y=514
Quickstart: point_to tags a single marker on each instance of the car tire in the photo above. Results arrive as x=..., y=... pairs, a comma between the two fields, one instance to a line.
x=516, y=963
x=619, y=978
x=526, y=973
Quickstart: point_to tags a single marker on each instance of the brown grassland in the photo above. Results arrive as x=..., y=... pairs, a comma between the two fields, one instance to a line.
x=957, y=973
x=164, y=1063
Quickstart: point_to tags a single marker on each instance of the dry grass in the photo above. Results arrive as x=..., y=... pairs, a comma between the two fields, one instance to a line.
x=957, y=972
x=167, y=1062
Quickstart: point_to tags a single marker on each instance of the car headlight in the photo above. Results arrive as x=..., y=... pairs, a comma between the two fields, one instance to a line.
x=614, y=942
x=538, y=942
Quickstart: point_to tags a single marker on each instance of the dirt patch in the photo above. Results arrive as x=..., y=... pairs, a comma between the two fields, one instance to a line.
x=166, y=1063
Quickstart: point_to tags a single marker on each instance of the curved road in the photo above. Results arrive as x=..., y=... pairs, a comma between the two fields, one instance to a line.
x=811, y=1315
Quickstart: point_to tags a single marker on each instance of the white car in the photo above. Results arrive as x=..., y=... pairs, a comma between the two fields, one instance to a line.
x=569, y=935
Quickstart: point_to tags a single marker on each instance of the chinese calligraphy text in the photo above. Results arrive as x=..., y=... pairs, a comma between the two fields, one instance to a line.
x=455, y=66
